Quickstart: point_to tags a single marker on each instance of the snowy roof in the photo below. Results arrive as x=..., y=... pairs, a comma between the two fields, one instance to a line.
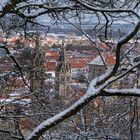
x=97, y=61
x=109, y=59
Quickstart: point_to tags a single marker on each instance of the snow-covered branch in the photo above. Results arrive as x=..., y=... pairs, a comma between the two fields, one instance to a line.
x=8, y=6
x=115, y=10
x=121, y=92
x=39, y=130
x=27, y=11
x=120, y=44
x=91, y=94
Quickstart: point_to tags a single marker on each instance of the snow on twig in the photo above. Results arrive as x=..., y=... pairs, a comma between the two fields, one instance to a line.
x=123, y=92
x=68, y=112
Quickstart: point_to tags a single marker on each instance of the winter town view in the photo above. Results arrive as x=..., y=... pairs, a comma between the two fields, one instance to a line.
x=69, y=70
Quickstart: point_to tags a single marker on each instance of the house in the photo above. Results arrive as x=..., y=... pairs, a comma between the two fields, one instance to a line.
x=79, y=66
x=50, y=69
x=99, y=64
x=51, y=57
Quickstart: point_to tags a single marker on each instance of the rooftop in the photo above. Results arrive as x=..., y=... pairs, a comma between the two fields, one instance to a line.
x=109, y=59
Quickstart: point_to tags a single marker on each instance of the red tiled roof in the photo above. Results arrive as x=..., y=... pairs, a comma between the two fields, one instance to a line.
x=13, y=39
x=50, y=66
x=79, y=62
x=103, y=45
x=109, y=59
x=77, y=65
x=51, y=54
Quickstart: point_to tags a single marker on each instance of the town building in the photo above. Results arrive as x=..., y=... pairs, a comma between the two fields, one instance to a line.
x=100, y=64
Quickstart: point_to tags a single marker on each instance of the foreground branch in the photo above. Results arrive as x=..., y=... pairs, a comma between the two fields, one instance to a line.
x=91, y=94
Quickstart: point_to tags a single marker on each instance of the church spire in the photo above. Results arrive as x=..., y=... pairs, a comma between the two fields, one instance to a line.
x=62, y=72
x=38, y=73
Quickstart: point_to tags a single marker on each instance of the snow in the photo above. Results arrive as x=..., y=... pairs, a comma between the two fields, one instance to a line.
x=13, y=100
x=91, y=89
x=97, y=61
x=90, y=92
x=130, y=33
x=103, y=76
x=3, y=3
x=56, y=117
x=134, y=91
x=99, y=9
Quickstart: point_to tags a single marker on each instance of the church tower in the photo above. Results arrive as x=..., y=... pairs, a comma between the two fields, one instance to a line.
x=63, y=73
x=38, y=68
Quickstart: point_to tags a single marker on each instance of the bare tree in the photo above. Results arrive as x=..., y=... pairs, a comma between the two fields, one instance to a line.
x=103, y=14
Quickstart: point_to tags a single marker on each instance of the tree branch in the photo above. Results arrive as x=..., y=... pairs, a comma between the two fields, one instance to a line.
x=120, y=43
x=89, y=7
